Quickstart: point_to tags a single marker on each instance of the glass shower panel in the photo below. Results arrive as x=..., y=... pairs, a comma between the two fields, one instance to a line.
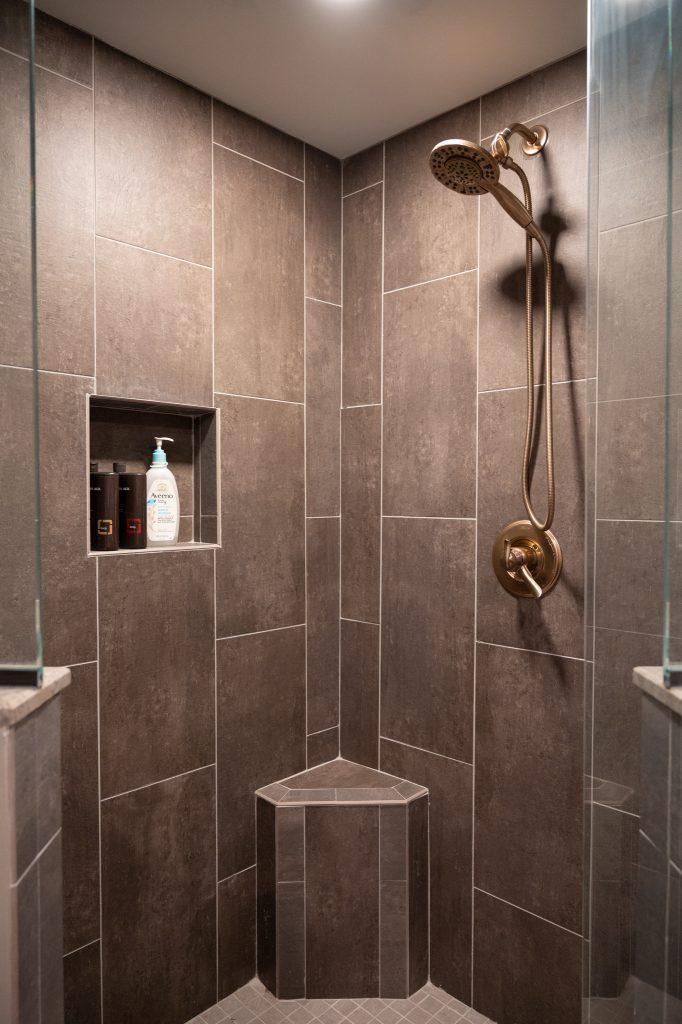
x=20, y=640
x=672, y=656
x=634, y=608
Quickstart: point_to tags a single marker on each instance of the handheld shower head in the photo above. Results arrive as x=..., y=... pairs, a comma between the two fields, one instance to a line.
x=464, y=167
x=471, y=170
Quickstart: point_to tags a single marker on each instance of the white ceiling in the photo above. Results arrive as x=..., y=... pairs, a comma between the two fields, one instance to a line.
x=341, y=74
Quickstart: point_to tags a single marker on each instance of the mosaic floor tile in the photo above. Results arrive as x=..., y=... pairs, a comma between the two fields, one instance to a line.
x=253, y=1004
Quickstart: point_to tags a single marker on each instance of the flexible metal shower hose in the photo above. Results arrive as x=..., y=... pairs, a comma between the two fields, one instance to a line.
x=538, y=523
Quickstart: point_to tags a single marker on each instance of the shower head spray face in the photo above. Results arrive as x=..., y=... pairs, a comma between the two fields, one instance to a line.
x=464, y=167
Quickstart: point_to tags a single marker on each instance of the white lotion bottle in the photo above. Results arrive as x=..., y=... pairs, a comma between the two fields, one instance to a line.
x=163, y=504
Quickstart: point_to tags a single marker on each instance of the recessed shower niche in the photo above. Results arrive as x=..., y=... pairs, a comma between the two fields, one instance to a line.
x=123, y=430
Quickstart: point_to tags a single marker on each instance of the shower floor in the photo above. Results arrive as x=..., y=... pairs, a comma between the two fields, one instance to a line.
x=253, y=1004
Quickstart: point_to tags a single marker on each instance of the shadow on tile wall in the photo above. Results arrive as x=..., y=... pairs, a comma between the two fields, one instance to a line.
x=184, y=209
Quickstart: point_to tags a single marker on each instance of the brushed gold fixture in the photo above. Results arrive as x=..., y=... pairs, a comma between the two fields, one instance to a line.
x=527, y=561
x=524, y=569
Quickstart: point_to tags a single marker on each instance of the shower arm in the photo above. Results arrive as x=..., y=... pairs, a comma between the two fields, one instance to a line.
x=542, y=525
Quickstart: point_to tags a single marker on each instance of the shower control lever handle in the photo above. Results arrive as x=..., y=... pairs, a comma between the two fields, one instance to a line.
x=517, y=558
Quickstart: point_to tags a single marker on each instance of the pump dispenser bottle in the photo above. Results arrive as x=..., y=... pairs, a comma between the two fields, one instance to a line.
x=163, y=504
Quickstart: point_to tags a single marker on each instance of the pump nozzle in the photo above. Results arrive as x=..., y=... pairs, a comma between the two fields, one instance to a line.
x=159, y=455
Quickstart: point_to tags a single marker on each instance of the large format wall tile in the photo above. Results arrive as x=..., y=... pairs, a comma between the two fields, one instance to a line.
x=430, y=231
x=236, y=931
x=158, y=901
x=154, y=338
x=261, y=731
x=555, y=624
x=258, y=280
x=529, y=767
x=363, y=169
x=560, y=210
x=323, y=399
x=65, y=214
x=64, y=209
x=450, y=794
x=536, y=94
x=82, y=999
x=15, y=197
x=617, y=711
x=260, y=571
x=362, y=285
x=322, y=747
x=626, y=552
x=525, y=970
x=361, y=510
x=322, y=569
x=359, y=716
x=631, y=458
x=342, y=886
x=80, y=807
x=250, y=137
x=152, y=158
x=322, y=225
x=68, y=601
x=156, y=667
x=632, y=311
x=427, y=643
x=430, y=399
x=18, y=549
x=58, y=47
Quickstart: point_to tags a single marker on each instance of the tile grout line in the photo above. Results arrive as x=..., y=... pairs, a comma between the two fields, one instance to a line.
x=215, y=577
x=362, y=622
x=364, y=188
x=50, y=71
x=152, y=252
x=325, y=302
x=157, y=782
x=257, y=632
x=531, y=913
x=257, y=398
x=261, y=163
x=305, y=454
x=522, y=387
x=79, y=948
x=381, y=448
x=536, y=117
x=340, y=480
x=433, y=753
x=329, y=728
x=432, y=280
x=58, y=373
x=475, y=645
x=97, y=563
x=530, y=650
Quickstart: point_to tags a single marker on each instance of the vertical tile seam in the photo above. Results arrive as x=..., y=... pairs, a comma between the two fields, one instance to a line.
x=340, y=506
x=215, y=574
x=590, y=619
x=668, y=838
x=305, y=451
x=97, y=624
x=381, y=514
x=475, y=660
x=381, y=446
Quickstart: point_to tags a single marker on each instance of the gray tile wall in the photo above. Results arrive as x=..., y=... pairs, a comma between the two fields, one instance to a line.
x=31, y=919
x=188, y=254
x=481, y=698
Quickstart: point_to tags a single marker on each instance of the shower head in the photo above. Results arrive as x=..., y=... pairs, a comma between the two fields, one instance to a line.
x=464, y=167
x=471, y=170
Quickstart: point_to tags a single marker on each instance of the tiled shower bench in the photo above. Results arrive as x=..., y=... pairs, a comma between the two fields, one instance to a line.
x=342, y=884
